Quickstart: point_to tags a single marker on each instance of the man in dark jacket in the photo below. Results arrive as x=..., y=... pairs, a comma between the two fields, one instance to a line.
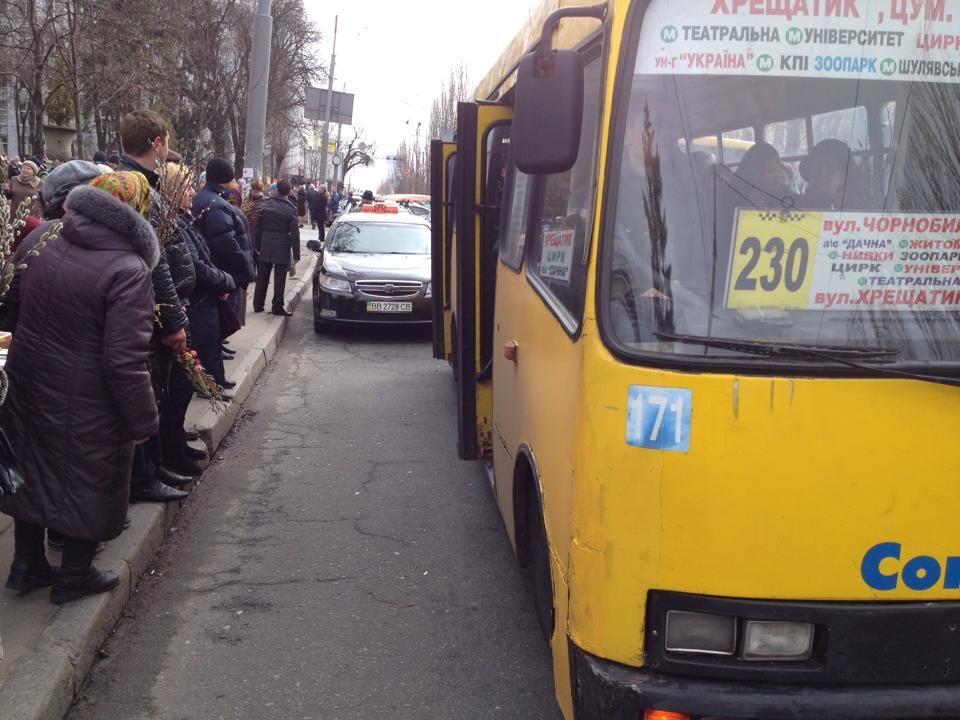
x=222, y=225
x=312, y=197
x=145, y=137
x=277, y=235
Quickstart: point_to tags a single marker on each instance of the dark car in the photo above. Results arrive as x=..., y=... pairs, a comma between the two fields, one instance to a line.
x=374, y=268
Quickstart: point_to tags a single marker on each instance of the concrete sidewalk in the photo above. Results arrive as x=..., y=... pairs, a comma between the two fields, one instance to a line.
x=48, y=650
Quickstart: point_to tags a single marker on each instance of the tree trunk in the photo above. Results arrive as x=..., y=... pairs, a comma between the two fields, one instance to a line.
x=238, y=146
x=98, y=124
x=218, y=129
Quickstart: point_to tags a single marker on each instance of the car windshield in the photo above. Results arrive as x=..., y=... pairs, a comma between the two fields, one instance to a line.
x=380, y=238
x=790, y=182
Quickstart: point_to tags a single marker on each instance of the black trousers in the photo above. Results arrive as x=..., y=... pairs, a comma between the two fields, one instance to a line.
x=263, y=282
x=172, y=435
x=147, y=456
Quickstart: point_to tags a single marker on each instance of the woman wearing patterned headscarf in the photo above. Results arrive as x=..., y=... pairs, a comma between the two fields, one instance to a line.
x=80, y=392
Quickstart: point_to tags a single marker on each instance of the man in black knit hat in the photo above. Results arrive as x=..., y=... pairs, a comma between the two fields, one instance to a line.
x=225, y=229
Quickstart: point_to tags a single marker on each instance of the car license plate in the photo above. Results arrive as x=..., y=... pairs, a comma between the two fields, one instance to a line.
x=389, y=307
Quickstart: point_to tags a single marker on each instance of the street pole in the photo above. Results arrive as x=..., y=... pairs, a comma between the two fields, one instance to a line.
x=257, y=89
x=326, y=120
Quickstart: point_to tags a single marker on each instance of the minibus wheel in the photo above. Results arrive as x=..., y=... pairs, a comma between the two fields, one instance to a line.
x=541, y=581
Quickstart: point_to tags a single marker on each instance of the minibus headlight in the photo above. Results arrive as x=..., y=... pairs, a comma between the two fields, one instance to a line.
x=693, y=632
x=767, y=640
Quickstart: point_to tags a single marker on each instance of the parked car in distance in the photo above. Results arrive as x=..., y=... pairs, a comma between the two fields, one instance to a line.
x=374, y=268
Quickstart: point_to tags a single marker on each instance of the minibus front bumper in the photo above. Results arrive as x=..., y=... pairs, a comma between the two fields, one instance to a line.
x=604, y=690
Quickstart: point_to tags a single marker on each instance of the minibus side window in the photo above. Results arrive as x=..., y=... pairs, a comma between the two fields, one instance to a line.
x=557, y=256
x=515, y=229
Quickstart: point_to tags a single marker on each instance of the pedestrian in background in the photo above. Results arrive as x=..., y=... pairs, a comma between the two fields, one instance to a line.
x=146, y=143
x=312, y=196
x=322, y=210
x=26, y=186
x=302, y=205
x=80, y=389
x=276, y=236
x=225, y=229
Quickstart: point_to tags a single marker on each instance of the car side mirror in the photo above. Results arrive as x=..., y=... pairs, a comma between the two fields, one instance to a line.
x=314, y=245
x=548, y=109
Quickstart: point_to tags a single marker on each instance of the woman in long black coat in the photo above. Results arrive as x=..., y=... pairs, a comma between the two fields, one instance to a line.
x=80, y=391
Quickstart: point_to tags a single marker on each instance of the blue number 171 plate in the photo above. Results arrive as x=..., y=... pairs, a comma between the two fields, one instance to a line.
x=659, y=418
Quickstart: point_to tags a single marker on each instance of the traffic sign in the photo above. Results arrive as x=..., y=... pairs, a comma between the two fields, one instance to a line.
x=336, y=160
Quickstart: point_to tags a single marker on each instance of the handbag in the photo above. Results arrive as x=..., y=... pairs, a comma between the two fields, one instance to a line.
x=229, y=322
x=11, y=480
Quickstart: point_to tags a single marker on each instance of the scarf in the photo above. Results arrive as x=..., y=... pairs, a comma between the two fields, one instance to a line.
x=130, y=188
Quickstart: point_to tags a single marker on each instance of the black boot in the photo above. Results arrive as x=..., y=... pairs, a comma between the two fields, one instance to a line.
x=177, y=472
x=153, y=490
x=78, y=578
x=30, y=569
x=194, y=454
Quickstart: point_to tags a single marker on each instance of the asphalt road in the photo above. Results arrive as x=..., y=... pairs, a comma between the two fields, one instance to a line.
x=337, y=562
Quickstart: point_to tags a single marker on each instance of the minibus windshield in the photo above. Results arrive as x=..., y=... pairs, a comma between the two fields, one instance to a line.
x=791, y=182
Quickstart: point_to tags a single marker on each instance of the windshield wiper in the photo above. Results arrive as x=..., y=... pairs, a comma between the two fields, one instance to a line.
x=850, y=356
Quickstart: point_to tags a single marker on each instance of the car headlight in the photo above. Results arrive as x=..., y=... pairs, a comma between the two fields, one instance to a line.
x=429, y=292
x=334, y=284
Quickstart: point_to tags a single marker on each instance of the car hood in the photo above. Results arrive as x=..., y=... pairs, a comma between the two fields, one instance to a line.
x=369, y=266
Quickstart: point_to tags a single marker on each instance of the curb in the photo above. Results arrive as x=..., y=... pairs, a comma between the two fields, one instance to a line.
x=43, y=683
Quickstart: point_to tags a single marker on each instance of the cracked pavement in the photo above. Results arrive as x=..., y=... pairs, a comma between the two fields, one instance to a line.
x=336, y=563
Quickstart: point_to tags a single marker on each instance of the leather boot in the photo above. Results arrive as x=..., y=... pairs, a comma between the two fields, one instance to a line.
x=78, y=578
x=30, y=569
x=178, y=472
x=194, y=454
x=153, y=490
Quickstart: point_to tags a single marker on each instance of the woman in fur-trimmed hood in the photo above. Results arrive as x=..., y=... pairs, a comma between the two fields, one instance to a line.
x=80, y=391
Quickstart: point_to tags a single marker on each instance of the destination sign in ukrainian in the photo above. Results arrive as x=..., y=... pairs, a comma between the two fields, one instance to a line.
x=916, y=40
x=845, y=261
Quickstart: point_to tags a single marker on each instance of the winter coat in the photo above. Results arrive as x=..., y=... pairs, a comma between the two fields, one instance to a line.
x=80, y=389
x=225, y=231
x=312, y=197
x=182, y=271
x=210, y=280
x=301, y=202
x=20, y=189
x=172, y=316
x=204, y=309
x=277, y=232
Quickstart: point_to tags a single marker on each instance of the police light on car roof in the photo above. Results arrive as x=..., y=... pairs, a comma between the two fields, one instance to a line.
x=381, y=209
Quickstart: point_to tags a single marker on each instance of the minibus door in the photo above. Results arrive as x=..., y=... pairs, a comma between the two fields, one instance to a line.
x=442, y=158
x=482, y=133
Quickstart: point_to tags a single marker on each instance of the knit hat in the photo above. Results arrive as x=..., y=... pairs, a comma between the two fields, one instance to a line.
x=64, y=178
x=219, y=171
x=30, y=164
x=130, y=188
x=99, y=157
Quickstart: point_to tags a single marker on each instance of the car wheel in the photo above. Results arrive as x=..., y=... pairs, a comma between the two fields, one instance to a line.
x=541, y=583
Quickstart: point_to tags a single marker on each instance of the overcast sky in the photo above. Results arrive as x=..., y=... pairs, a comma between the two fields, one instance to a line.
x=395, y=56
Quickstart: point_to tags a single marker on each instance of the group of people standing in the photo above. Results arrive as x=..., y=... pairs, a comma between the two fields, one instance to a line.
x=138, y=274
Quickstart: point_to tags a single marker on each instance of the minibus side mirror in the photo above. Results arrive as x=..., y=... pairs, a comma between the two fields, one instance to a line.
x=548, y=105
x=548, y=112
